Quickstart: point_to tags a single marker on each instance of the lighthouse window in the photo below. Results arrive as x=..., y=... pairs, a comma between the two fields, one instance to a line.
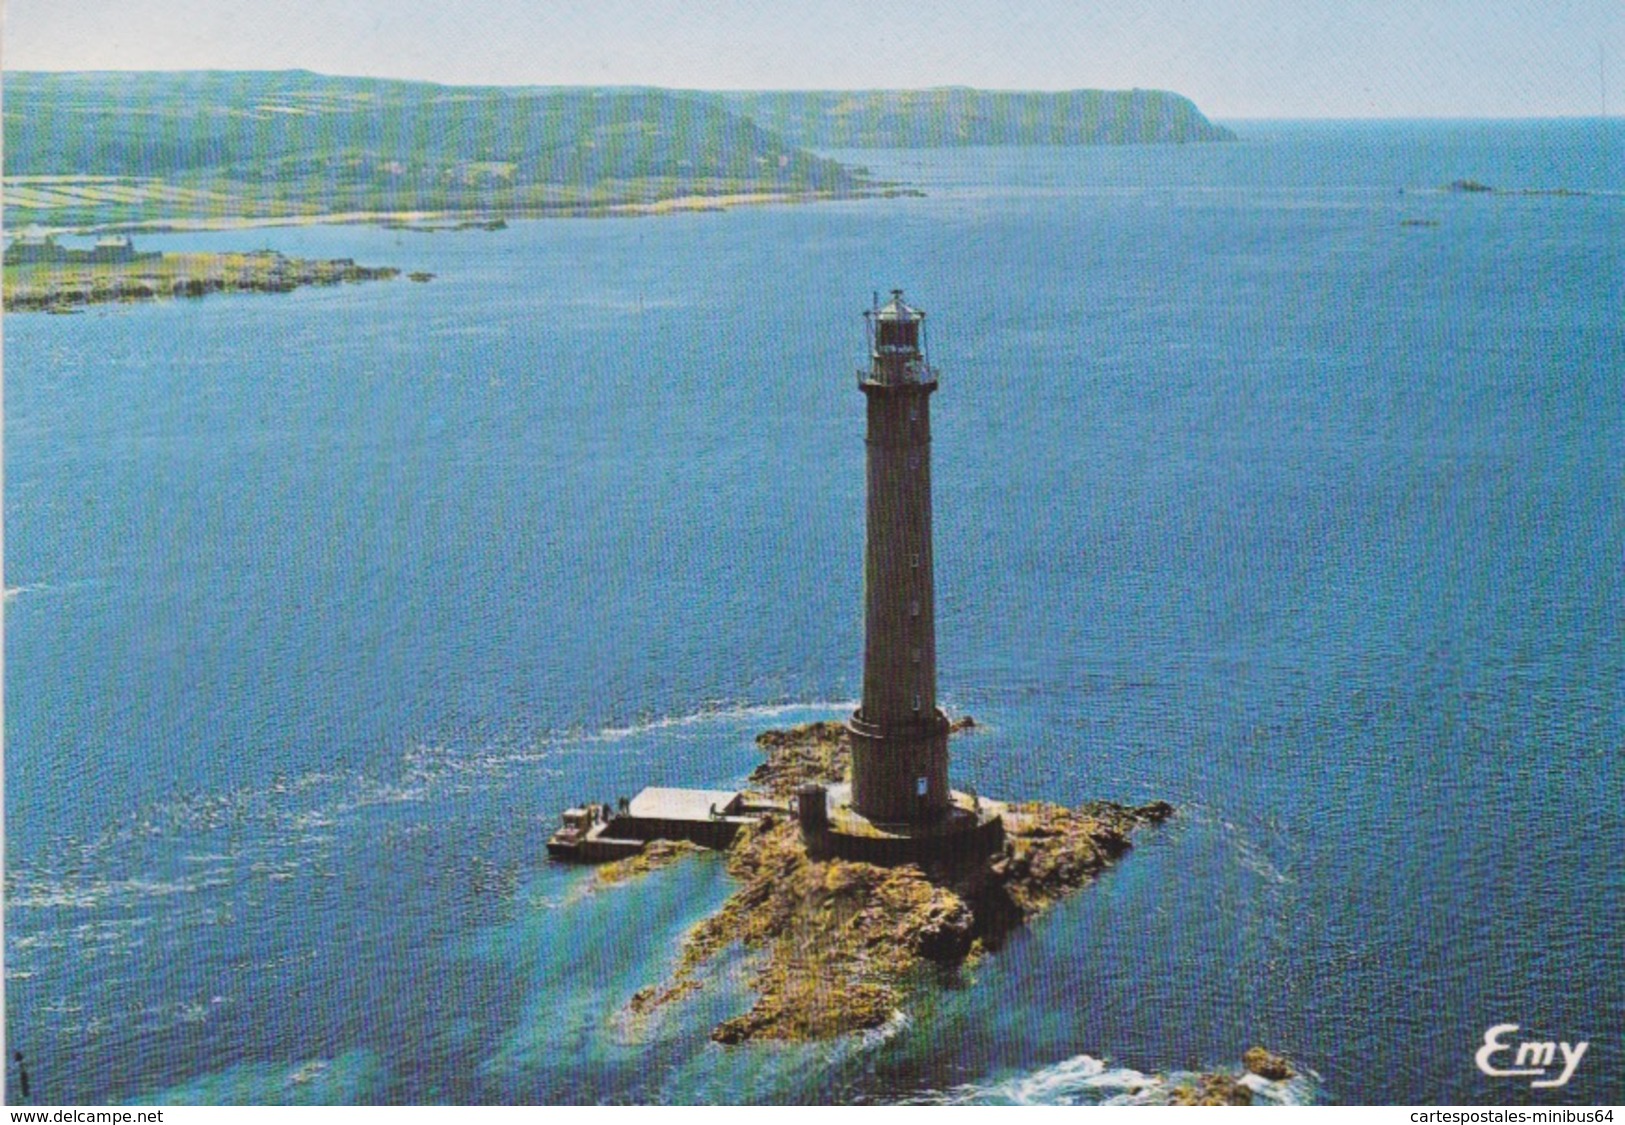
x=914, y=560
x=916, y=701
x=897, y=334
x=913, y=609
x=921, y=786
x=916, y=656
x=913, y=412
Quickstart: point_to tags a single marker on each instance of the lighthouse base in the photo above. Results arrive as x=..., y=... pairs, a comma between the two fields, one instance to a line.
x=900, y=771
x=969, y=830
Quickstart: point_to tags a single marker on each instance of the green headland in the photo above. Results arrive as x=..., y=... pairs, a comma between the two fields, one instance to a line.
x=134, y=152
x=139, y=150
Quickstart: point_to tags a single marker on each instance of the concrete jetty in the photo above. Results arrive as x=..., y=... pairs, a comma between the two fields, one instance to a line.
x=595, y=833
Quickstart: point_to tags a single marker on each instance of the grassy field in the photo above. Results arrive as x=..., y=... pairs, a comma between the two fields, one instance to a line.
x=61, y=287
x=99, y=150
x=102, y=203
x=137, y=148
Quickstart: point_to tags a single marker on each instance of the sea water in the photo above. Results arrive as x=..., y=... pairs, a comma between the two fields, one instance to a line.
x=1249, y=496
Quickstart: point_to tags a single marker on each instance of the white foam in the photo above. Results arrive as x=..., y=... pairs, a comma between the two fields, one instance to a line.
x=870, y=1038
x=1249, y=853
x=717, y=714
x=1254, y=860
x=12, y=593
x=1079, y=1078
x=1090, y=1080
x=1300, y=1089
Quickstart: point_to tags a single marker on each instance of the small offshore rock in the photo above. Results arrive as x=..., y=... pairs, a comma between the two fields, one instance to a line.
x=1211, y=1089
x=1266, y=1065
x=1154, y=813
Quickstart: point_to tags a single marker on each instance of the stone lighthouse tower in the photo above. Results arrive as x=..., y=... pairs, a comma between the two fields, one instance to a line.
x=896, y=806
x=899, y=738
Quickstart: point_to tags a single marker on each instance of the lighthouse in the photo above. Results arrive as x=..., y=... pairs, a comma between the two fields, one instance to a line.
x=899, y=737
x=895, y=805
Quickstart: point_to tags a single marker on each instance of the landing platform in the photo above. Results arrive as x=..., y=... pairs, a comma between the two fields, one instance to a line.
x=682, y=804
x=708, y=817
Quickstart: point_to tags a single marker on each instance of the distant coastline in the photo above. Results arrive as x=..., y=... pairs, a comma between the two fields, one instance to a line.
x=134, y=151
x=65, y=280
x=427, y=221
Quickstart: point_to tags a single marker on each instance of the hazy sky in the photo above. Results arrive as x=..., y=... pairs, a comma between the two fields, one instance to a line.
x=1235, y=58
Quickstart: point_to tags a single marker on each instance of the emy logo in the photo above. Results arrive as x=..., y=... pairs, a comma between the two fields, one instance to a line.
x=1528, y=1057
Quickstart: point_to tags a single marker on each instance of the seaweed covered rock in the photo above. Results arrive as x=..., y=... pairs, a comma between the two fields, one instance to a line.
x=655, y=855
x=838, y=942
x=1211, y=1089
x=1266, y=1065
x=810, y=752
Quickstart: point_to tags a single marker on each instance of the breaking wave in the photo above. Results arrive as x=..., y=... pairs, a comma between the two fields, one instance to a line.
x=1087, y=1080
x=1077, y=1080
x=721, y=713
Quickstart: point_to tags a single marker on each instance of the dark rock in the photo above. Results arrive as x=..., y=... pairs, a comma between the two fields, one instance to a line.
x=1266, y=1065
x=945, y=934
x=730, y=1031
x=1211, y=1089
x=1154, y=813
x=1111, y=843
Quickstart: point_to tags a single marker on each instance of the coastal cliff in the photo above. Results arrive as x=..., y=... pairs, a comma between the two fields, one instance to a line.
x=958, y=115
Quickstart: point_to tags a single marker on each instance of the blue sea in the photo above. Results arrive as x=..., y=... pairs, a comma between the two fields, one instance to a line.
x=1249, y=496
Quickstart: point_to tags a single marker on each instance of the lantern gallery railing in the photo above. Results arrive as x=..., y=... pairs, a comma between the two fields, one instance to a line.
x=902, y=373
